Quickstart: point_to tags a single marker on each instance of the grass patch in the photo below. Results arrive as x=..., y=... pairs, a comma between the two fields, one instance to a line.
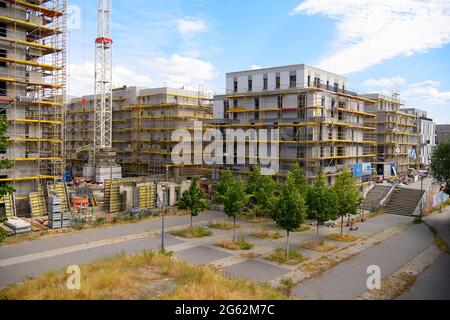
x=148, y=275
x=192, y=233
x=240, y=244
x=265, y=234
x=222, y=225
x=279, y=256
x=303, y=228
x=321, y=246
x=440, y=243
x=343, y=238
x=255, y=220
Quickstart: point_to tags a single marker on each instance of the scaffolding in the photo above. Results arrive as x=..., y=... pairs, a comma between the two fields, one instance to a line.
x=143, y=122
x=32, y=92
x=320, y=129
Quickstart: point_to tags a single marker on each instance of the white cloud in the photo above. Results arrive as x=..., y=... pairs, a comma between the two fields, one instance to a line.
x=372, y=31
x=183, y=71
x=189, y=27
x=81, y=78
x=384, y=82
x=256, y=67
x=428, y=92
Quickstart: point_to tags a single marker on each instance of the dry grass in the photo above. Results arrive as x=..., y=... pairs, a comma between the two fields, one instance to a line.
x=392, y=287
x=265, y=234
x=279, y=256
x=343, y=238
x=192, y=233
x=303, y=228
x=318, y=246
x=147, y=275
x=240, y=244
x=440, y=243
x=222, y=225
x=253, y=220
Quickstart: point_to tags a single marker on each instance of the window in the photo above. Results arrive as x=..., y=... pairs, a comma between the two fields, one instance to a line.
x=328, y=85
x=277, y=82
x=336, y=87
x=317, y=82
x=343, y=88
x=293, y=81
x=3, y=32
x=309, y=81
x=301, y=101
x=3, y=91
x=235, y=103
x=235, y=85
x=323, y=102
x=250, y=84
x=280, y=102
x=2, y=55
x=265, y=82
x=256, y=108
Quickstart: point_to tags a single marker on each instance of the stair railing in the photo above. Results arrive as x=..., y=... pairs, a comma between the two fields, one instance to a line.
x=425, y=196
x=388, y=196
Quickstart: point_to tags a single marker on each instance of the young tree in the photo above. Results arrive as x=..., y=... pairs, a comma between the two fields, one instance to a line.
x=440, y=164
x=300, y=181
x=193, y=200
x=234, y=200
x=321, y=202
x=226, y=179
x=290, y=209
x=348, y=196
x=261, y=190
x=5, y=188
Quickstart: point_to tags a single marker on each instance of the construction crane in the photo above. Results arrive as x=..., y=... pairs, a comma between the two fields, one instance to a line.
x=103, y=80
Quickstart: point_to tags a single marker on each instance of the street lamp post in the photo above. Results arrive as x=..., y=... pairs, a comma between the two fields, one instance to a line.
x=163, y=209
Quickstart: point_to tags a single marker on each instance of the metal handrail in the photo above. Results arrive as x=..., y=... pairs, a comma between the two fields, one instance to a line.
x=388, y=195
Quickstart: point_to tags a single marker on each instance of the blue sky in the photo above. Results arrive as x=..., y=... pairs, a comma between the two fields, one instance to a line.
x=380, y=45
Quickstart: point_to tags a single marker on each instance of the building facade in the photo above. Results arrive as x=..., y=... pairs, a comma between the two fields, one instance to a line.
x=442, y=133
x=397, y=136
x=321, y=123
x=32, y=93
x=143, y=122
x=426, y=129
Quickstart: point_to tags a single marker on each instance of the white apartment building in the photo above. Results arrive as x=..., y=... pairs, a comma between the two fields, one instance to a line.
x=427, y=134
x=321, y=122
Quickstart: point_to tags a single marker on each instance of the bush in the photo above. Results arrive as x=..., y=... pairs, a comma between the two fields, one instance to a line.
x=100, y=220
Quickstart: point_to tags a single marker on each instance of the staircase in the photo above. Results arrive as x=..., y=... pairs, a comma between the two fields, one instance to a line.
x=374, y=197
x=403, y=201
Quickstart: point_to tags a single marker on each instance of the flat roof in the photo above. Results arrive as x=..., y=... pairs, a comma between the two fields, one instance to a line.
x=294, y=66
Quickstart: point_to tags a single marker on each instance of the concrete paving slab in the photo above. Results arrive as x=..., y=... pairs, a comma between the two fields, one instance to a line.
x=201, y=255
x=255, y=270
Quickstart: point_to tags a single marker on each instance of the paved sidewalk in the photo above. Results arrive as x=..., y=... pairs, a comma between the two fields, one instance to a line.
x=348, y=279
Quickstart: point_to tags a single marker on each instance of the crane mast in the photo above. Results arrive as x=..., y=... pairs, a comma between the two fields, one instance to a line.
x=103, y=79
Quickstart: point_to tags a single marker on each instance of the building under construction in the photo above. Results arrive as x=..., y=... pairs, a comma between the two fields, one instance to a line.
x=143, y=123
x=32, y=94
x=321, y=123
x=397, y=136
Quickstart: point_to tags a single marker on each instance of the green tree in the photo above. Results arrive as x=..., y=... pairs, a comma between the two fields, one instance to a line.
x=261, y=190
x=226, y=180
x=5, y=188
x=440, y=164
x=321, y=202
x=193, y=200
x=234, y=200
x=300, y=181
x=348, y=196
x=290, y=209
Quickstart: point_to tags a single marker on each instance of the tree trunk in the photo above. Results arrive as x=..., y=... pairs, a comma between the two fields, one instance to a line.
x=287, y=244
x=192, y=226
x=342, y=226
x=234, y=229
x=317, y=232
